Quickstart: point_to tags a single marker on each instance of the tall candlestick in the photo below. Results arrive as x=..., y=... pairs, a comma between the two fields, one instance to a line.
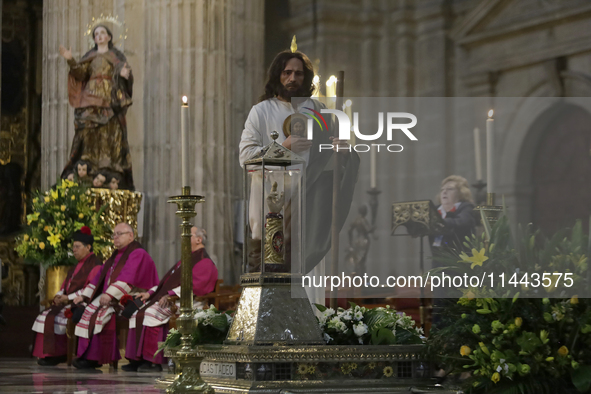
x=372, y=169
x=185, y=142
x=477, y=154
x=347, y=108
x=490, y=149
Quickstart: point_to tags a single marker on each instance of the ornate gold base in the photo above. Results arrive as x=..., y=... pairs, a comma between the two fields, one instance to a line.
x=317, y=369
x=188, y=379
x=491, y=212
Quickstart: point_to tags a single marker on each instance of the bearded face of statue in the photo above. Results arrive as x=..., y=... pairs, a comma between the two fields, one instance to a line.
x=299, y=128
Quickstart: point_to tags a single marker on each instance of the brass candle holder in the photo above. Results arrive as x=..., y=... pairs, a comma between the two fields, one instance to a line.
x=188, y=361
x=491, y=212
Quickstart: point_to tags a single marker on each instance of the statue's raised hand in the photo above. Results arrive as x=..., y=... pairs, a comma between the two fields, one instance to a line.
x=125, y=71
x=66, y=53
x=275, y=200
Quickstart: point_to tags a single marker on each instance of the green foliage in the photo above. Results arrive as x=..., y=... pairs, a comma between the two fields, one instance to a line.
x=516, y=342
x=510, y=343
x=524, y=261
x=211, y=327
x=56, y=215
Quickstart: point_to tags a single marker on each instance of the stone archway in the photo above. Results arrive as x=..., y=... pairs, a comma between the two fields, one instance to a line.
x=561, y=171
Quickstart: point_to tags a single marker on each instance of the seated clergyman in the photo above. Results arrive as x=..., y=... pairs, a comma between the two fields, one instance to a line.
x=50, y=326
x=129, y=269
x=149, y=325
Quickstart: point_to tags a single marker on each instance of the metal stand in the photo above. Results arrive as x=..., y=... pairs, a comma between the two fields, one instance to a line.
x=491, y=212
x=373, y=206
x=480, y=195
x=188, y=361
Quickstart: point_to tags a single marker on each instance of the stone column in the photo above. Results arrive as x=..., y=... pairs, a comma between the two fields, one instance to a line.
x=212, y=52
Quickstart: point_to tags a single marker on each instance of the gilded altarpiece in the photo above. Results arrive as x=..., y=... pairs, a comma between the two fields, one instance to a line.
x=20, y=150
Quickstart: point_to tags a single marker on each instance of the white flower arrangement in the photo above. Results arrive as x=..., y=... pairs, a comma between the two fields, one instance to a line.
x=360, y=325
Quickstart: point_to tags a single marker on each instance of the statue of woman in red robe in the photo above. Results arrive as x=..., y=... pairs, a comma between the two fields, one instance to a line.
x=100, y=89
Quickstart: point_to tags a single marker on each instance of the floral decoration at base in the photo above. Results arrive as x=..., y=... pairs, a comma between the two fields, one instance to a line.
x=57, y=214
x=518, y=340
x=211, y=327
x=365, y=326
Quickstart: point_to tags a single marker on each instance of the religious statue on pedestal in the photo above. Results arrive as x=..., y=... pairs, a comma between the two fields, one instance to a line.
x=100, y=89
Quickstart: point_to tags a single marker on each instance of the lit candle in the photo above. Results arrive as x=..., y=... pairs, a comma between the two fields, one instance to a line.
x=477, y=154
x=331, y=91
x=185, y=142
x=490, y=148
x=316, y=83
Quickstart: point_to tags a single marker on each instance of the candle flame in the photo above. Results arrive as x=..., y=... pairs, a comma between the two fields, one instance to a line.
x=185, y=100
x=316, y=79
x=490, y=113
x=332, y=80
x=348, y=103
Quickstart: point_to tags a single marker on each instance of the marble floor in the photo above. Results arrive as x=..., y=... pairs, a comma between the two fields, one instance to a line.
x=23, y=375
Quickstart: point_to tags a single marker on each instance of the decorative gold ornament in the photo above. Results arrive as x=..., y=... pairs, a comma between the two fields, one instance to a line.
x=124, y=206
x=490, y=211
x=295, y=124
x=274, y=238
x=186, y=359
x=55, y=277
x=120, y=35
x=294, y=45
x=419, y=217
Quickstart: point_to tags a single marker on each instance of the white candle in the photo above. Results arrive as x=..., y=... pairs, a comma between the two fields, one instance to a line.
x=331, y=92
x=490, y=149
x=372, y=168
x=185, y=142
x=347, y=107
x=477, y=152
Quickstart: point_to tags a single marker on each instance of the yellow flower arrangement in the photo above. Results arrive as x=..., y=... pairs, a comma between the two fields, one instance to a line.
x=58, y=213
